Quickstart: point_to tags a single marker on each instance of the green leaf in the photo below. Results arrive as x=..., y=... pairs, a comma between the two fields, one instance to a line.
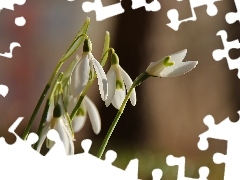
x=77, y=40
x=105, y=48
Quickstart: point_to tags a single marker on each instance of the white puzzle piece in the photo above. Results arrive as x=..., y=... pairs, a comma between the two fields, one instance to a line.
x=228, y=131
x=173, y=14
x=219, y=54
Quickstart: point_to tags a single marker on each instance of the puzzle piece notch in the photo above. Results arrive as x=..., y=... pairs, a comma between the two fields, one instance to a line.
x=180, y=162
x=219, y=54
x=157, y=174
x=173, y=14
x=3, y=90
x=58, y=149
x=101, y=11
x=110, y=156
x=232, y=17
x=12, y=46
x=153, y=6
x=86, y=145
x=9, y=4
x=210, y=123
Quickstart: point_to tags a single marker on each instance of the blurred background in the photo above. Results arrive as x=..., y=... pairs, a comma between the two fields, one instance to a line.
x=168, y=117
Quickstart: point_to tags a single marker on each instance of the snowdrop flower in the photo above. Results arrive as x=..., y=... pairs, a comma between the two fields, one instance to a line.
x=57, y=120
x=87, y=107
x=171, y=66
x=85, y=71
x=117, y=79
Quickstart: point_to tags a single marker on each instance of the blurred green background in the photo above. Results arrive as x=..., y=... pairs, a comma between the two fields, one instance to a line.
x=169, y=112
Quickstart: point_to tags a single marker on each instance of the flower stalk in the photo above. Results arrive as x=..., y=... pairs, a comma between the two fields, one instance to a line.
x=73, y=47
x=140, y=79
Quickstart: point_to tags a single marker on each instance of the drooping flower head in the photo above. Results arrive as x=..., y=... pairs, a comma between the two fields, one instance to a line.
x=86, y=107
x=57, y=120
x=171, y=66
x=117, y=79
x=86, y=69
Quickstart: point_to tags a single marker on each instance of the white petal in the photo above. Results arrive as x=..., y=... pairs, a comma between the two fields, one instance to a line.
x=78, y=123
x=65, y=136
x=179, y=56
x=102, y=79
x=128, y=81
x=43, y=136
x=93, y=115
x=111, y=78
x=178, y=69
x=118, y=97
x=69, y=69
x=71, y=103
x=81, y=76
x=50, y=111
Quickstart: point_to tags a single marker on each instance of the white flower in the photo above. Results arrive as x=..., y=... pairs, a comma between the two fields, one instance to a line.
x=117, y=79
x=86, y=107
x=56, y=120
x=85, y=70
x=171, y=65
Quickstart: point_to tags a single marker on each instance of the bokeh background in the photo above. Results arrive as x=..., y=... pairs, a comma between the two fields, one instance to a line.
x=168, y=117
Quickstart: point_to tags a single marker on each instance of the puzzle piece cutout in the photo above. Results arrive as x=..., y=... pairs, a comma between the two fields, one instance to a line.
x=103, y=12
x=232, y=17
x=219, y=54
x=116, y=9
x=18, y=159
x=3, y=90
x=153, y=6
x=173, y=14
x=12, y=46
x=180, y=162
x=229, y=131
x=9, y=4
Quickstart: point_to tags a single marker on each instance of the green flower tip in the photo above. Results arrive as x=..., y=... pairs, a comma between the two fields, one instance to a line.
x=115, y=59
x=119, y=84
x=87, y=46
x=57, y=111
x=87, y=19
x=167, y=61
x=80, y=112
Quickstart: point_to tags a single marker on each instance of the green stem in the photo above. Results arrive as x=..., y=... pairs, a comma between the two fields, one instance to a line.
x=42, y=122
x=46, y=108
x=25, y=134
x=142, y=77
x=74, y=46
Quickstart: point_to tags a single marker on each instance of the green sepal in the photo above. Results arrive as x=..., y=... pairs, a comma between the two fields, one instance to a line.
x=114, y=59
x=57, y=112
x=105, y=48
x=87, y=45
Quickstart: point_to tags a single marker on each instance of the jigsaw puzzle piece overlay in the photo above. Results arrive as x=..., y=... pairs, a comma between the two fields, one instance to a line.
x=21, y=159
x=9, y=4
x=232, y=17
x=12, y=46
x=116, y=9
x=3, y=90
x=173, y=14
x=219, y=54
x=180, y=162
x=228, y=131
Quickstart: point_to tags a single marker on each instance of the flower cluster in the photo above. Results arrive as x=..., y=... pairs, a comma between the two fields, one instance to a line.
x=68, y=105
